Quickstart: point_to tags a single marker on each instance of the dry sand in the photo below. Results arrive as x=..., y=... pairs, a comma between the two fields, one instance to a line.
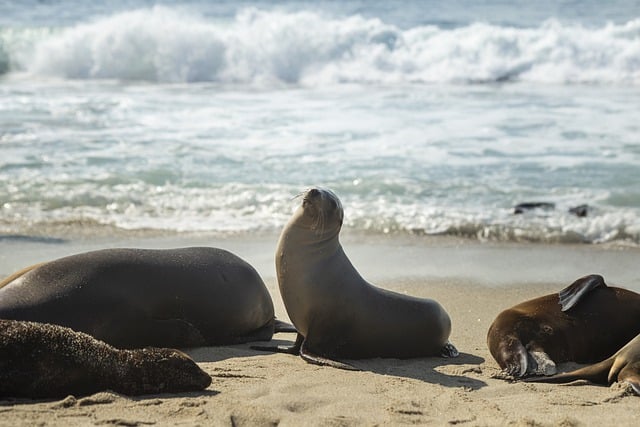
x=473, y=281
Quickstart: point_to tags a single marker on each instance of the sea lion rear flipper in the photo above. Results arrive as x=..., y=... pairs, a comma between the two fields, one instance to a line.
x=596, y=374
x=280, y=326
x=449, y=350
x=573, y=293
x=315, y=359
x=294, y=349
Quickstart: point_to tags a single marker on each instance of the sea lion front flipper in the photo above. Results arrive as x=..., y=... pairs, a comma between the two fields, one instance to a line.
x=539, y=363
x=449, y=350
x=294, y=349
x=315, y=359
x=573, y=293
x=280, y=326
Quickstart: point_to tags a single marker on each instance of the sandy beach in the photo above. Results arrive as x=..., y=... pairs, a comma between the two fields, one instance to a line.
x=473, y=281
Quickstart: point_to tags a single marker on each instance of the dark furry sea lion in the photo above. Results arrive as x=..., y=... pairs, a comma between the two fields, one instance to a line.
x=133, y=298
x=40, y=360
x=586, y=322
x=337, y=313
x=623, y=367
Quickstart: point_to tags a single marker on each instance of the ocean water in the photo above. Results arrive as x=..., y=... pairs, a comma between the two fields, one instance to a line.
x=424, y=117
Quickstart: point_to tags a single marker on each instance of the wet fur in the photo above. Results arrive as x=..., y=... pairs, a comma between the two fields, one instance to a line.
x=42, y=360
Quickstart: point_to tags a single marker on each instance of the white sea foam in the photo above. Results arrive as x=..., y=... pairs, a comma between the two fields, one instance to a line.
x=274, y=111
x=309, y=48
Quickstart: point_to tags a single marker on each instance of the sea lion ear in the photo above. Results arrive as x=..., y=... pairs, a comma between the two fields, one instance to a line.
x=575, y=292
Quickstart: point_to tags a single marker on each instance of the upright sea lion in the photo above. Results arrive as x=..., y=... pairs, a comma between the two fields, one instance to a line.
x=142, y=297
x=624, y=367
x=44, y=360
x=337, y=313
x=586, y=322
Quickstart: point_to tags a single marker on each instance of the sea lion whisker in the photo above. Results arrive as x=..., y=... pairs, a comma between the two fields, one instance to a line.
x=320, y=222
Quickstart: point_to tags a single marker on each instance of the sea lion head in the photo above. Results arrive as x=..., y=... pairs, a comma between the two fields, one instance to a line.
x=162, y=369
x=320, y=211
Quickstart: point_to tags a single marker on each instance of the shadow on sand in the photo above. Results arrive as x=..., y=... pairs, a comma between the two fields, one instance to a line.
x=449, y=372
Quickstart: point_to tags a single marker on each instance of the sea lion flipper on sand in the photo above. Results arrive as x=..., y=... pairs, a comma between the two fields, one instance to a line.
x=316, y=359
x=596, y=374
x=266, y=332
x=576, y=291
x=294, y=349
x=280, y=326
x=449, y=350
x=300, y=348
x=623, y=366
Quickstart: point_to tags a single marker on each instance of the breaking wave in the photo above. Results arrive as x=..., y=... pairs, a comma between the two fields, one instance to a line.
x=306, y=48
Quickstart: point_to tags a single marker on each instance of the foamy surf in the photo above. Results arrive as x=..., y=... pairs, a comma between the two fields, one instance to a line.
x=308, y=48
x=210, y=118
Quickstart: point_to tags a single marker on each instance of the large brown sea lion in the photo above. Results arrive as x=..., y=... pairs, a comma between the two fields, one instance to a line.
x=586, y=322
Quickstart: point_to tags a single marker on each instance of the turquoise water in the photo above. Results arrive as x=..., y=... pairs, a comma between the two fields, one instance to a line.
x=425, y=117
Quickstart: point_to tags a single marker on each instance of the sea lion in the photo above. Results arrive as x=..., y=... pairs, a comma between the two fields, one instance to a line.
x=142, y=297
x=40, y=360
x=585, y=322
x=336, y=312
x=623, y=366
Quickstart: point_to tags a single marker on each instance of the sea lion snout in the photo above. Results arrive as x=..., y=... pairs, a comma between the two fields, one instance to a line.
x=324, y=200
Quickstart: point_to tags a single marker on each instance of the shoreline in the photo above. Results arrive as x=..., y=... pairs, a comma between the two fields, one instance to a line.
x=473, y=281
x=436, y=258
